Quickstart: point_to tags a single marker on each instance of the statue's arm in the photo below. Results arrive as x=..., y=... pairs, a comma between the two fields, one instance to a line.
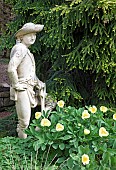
x=12, y=67
x=12, y=70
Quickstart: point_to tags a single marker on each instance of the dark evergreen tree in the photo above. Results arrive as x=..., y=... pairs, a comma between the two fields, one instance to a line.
x=76, y=52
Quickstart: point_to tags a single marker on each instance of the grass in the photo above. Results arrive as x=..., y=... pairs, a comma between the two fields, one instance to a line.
x=8, y=124
x=17, y=155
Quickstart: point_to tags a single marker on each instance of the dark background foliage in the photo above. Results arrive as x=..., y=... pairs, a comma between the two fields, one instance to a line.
x=76, y=52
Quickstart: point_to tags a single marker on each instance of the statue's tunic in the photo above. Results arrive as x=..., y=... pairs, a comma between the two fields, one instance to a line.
x=21, y=70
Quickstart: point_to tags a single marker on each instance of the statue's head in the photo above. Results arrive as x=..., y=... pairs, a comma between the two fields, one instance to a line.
x=28, y=28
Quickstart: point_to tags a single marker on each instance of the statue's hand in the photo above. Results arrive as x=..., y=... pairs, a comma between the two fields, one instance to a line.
x=40, y=85
x=20, y=87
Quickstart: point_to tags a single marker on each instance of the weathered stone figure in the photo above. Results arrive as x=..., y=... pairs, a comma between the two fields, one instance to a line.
x=21, y=70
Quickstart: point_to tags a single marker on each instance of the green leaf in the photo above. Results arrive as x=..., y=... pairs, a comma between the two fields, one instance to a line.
x=32, y=130
x=114, y=144
x=76, y=144
x=49, y=136
x=74, y=156
x=54, y=118
x=113, y=161
x=76, y=167
x=43, y=147
x=36, y=145
x=83, y=149
x=62, y=146
x=66, y=137
x=70, y=163
x=55, y=146
x=60, y=160
x=106, y=157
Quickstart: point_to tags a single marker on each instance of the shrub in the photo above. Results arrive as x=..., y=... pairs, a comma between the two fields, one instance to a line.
x=83, y=138
x=77, y=47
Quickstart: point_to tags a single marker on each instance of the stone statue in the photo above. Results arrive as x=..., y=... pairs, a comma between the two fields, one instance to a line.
x=22, y=75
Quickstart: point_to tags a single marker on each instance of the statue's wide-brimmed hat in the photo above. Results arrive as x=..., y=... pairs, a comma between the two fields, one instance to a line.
x=29, y=28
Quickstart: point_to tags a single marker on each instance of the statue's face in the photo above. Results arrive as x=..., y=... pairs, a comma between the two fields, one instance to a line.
x=29, y=39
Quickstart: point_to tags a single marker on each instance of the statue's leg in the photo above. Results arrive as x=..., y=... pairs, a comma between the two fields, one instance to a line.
x=23, y=109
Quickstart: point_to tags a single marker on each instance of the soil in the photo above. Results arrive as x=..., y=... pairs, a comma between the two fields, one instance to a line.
x=4, y=114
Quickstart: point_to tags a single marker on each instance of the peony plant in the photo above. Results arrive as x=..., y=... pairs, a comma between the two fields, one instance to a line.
x=83, y=138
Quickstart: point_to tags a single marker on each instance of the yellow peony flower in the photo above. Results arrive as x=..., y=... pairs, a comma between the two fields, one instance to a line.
x=86, y=131
x=85, y=159
x=37, y=115
x=103, y=109
x=45, y=122
x=103, y=132
x=59, y=127
x=114, y=116
x=85, y=114
x=60, y=103
x=93, y=109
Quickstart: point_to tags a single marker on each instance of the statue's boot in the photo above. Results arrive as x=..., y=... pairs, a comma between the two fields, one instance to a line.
x=21, y=133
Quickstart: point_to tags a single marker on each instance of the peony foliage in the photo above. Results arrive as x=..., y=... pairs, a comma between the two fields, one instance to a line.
x=75, y=142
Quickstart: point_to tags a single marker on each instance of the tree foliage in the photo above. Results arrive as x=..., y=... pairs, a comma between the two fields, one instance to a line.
x=77, y=49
